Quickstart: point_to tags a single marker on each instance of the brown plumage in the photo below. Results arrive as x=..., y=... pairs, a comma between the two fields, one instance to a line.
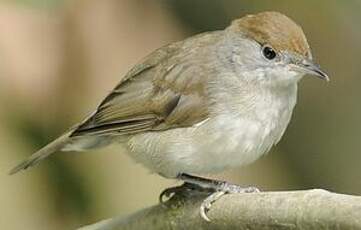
x=165, y=91
x=274, y=29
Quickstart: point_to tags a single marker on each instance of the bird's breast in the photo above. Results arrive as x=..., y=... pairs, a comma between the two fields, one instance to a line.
x=226, y=139
x=238, y=136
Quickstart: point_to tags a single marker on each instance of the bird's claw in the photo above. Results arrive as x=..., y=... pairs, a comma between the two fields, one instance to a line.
x=167, y=193
x=225, y=188
x=170, y=192
x=215, y=188
x=207, y=203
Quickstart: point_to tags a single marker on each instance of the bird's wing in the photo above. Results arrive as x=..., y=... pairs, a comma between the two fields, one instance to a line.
x=165, y=91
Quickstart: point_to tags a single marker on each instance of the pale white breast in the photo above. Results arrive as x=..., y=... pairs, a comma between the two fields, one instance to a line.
x=223, y=141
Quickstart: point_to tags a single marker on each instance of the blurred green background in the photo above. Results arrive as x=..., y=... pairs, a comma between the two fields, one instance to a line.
x=58, y=58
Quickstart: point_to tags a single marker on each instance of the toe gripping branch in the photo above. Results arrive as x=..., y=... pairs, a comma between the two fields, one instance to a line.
x=215, y=189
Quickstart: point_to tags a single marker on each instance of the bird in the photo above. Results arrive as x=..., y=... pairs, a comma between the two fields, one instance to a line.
x=214, y=101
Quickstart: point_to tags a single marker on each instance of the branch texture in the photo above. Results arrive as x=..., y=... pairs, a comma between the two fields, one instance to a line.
x=311, y=209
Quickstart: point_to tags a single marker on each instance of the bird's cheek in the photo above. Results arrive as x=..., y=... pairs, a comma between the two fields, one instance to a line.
x=283, y=76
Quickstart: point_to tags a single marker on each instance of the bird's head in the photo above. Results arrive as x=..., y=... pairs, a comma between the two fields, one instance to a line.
x=270, y=47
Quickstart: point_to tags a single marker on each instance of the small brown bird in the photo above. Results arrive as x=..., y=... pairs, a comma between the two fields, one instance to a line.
x=214, y=101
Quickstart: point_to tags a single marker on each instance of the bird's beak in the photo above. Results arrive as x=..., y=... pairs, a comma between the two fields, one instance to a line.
x=309, y=67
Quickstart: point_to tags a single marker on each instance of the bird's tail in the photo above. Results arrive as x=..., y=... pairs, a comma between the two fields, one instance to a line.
x=44, y=152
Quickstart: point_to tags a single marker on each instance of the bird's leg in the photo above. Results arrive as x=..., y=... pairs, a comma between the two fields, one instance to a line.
x=215, y=185
x=217, y=189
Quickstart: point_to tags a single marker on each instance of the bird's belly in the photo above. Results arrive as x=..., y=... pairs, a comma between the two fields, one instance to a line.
x=217, y=144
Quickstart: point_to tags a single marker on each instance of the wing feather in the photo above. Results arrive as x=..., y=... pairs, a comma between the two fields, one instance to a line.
x=165, y=91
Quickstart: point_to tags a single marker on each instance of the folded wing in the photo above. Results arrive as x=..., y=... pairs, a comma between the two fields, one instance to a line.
x=163, y=92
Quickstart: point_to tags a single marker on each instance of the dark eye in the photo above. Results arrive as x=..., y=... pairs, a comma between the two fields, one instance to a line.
x=268, y=52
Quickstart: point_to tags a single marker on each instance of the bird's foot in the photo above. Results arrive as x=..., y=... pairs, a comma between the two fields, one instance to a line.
x=168, y=193
x=217, y=189
x=224, y=188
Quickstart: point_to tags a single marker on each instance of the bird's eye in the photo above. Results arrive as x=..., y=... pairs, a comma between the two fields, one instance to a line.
x=268, y=52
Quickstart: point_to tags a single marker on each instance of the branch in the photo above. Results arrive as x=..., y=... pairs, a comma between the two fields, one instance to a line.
x=310, y=209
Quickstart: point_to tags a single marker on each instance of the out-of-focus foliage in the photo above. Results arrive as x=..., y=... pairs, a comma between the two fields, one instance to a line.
x=37, y=3
x=59, y=58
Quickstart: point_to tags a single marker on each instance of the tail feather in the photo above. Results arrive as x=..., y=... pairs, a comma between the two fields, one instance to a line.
x=46, y=151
